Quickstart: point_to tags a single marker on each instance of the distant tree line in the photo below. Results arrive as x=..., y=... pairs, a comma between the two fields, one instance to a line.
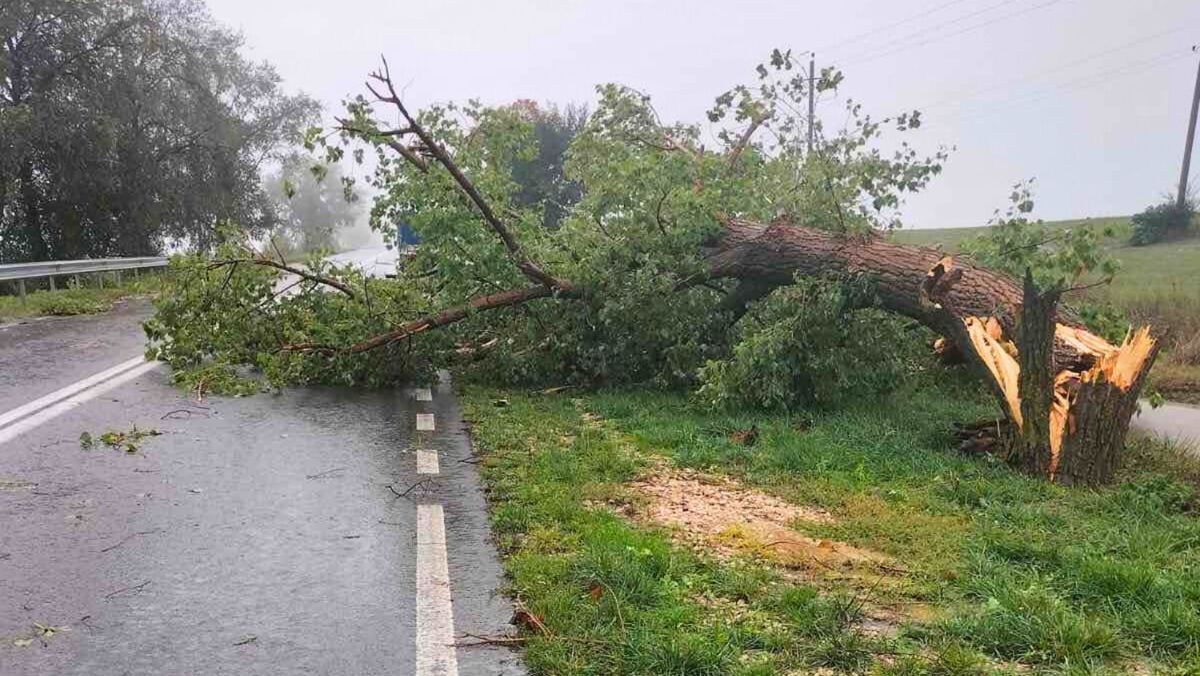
x=125, y=124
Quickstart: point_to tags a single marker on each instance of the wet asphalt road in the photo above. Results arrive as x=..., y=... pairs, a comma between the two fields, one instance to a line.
x=1177, y=422
x=254, y=536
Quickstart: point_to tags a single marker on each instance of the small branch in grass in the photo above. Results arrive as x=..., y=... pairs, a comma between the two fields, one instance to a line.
x=488, y=640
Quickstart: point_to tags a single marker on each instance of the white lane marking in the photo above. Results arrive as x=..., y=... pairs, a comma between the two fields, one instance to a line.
x=427, y=461
x=424, y=422
x=436, y=654
x=423, y=394
x=17, y=429
x=74, y=388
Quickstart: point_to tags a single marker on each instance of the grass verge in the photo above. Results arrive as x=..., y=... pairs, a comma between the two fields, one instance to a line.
x=77, y=300
x=1009, y=573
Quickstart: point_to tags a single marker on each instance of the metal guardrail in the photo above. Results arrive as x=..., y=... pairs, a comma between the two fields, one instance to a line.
x=19, y=272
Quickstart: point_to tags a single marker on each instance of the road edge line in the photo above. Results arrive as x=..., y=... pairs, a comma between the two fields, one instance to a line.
x=51, y=412
x=41, y=403
x=436, y=652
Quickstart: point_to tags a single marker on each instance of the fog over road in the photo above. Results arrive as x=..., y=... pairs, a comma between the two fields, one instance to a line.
x=254, y=536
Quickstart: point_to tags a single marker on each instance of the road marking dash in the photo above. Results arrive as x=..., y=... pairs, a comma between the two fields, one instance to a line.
x=427, y=461
x=436, y=654
x=423, y=394
x=425, y=422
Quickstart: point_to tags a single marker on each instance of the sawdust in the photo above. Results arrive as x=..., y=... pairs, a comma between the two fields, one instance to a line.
x=728, y=519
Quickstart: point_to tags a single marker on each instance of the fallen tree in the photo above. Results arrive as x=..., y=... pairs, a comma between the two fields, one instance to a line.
x=646, y=272
x=1067, y=394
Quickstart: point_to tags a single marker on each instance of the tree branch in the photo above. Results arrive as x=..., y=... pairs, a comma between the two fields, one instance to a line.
x=509, y=298
x=744, y=140
x=300, y=272
x=438, y=152
x=385, y=137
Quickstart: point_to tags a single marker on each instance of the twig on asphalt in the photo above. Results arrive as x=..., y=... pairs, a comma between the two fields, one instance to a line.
x=171, y=415
x=407, y=490
x=129, y=537
x=123, y=590
x=390, y=523
x=322, y=475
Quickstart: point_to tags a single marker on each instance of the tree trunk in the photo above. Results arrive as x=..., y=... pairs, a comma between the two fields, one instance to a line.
x=1066, y=394
x=35, y=240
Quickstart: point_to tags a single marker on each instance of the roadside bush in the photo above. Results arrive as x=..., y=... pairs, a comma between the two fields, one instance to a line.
x=814, y=344
x=1161, y=222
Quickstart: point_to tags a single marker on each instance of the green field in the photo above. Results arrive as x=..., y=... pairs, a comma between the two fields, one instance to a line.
x=1170, y=268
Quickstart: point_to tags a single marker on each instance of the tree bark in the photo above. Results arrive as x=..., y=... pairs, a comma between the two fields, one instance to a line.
x=772, y=255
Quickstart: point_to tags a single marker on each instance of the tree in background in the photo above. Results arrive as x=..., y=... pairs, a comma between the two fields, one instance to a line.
x=128, y=123
x=311, y=204
x=541, y=178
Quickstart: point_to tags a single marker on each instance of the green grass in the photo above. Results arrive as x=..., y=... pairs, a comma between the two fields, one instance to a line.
x=76, y=300
x=1020, y=573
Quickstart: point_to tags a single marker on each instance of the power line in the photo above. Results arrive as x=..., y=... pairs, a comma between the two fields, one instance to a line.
x=922, y=31
x=944, y=36
x=1103, y=77
x=974, y=93
x=880, y=29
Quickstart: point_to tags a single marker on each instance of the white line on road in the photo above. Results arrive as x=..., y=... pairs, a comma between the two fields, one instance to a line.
x=436, y=654
x=423, y=394
x=74, y=388
x=425, y=422
x=427, y=461
x=81, y=396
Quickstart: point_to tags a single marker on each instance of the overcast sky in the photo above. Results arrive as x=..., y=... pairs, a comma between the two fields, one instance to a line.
x=1091, y=97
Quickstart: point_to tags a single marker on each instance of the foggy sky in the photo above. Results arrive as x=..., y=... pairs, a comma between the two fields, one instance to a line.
x=1102, y=133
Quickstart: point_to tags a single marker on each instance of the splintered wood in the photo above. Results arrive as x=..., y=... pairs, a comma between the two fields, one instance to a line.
x=999, y=356
x=1120, y=367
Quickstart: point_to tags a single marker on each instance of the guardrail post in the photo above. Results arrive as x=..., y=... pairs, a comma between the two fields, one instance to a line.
x=21, y=289
x=52, y=286
x=118, y=277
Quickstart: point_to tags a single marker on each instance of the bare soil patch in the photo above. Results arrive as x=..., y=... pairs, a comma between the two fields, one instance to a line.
x=722, y=515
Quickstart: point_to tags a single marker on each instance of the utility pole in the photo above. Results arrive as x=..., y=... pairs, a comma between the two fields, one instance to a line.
x=813, y=60
x=1187, y=147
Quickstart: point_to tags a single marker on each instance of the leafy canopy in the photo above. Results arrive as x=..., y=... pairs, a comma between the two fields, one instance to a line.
x=649, y=197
